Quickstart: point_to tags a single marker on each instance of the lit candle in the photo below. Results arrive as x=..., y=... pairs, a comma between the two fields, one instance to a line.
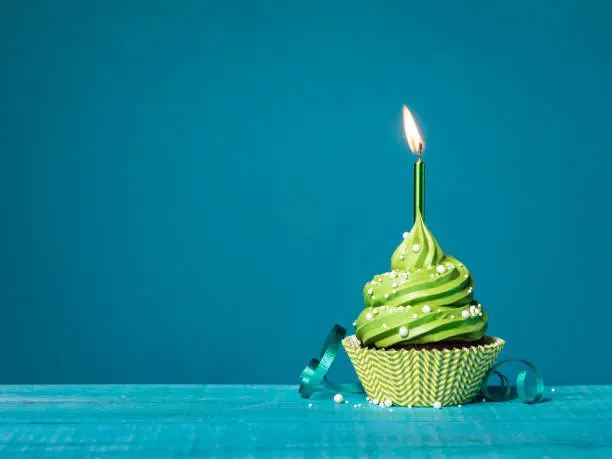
x=416, y=144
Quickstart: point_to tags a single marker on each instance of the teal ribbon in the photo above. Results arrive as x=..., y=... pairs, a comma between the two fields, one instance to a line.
x=521, y=383
x=315, y=372
x=315, y=375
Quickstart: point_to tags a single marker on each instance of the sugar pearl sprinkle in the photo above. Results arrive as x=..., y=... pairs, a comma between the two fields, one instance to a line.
x=388, y=402
x=384, y=325
x=416, y=248
x=338, y=398
x=403, y=332
x=437, y=405
x=386, y=296
x=370, y=291
x=441, y=269
x=415, y=316
x=426, y=309
x=401, y=308
x=394, y=291
x=394, y=284
x=392, y=275
x=465, y=313
x=369, y=316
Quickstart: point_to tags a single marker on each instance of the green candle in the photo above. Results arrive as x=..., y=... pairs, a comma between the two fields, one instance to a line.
x=416, y=144
x=419, y=188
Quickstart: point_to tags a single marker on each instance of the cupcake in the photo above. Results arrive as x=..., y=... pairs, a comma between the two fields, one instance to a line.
x=421, y=338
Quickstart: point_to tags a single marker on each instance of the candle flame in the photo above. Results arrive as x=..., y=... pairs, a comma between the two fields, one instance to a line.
x=411, y=131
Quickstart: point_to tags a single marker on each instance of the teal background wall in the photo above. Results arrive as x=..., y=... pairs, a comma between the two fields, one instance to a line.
x=196, y=191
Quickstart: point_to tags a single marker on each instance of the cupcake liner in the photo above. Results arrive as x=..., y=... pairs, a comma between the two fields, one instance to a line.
x=423, y=376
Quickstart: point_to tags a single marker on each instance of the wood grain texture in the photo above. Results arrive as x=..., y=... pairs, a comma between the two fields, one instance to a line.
x=273, y=421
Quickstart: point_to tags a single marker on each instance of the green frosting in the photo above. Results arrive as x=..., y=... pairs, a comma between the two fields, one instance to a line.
x=427, y=297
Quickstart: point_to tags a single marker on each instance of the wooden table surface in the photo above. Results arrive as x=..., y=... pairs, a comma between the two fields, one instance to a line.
x=273, y=421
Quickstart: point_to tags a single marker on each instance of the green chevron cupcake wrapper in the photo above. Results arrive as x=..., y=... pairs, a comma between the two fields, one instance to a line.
x=423, y=377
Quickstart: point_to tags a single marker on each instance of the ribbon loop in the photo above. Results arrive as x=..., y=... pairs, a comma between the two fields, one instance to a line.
x=315, y=372
x=521, y=383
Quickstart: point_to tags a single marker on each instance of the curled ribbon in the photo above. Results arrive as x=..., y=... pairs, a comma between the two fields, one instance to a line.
x=521, y=384
x=315, y=372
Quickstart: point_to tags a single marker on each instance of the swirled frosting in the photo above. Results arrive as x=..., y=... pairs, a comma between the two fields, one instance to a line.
x=427, y=297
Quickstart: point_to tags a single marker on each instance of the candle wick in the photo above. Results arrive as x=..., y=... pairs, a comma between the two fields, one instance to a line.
x=420, y=150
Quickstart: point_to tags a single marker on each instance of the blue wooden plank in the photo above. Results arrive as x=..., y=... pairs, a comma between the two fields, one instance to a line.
x=273, y=421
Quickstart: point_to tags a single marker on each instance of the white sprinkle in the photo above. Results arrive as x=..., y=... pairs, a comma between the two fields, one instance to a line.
x=355, y=406
x=484, y=400
x=368, y=399
x=432, y=275
x=415, y=316
x=394, y=284
x=370, y=291
x=480, y=313
x=346, y=401
x=409, y=406
x=401, y=308
x=408, y=307
x=369, y=316
x=382, y=308
x=437, y=405
x=441, y=269
x=392, y=275
x=373, y=297
x=394, y=292
x=426, y=308
x=403, y=332
x=381, y=404
x=471, y=289
x=459, y=406
x=401, y=257
x=388, y=402
x=354, y=323
x=466, y=276
x=553, y=390
x=310, y=405
x=406, y=234
x=439, y=310
x=375, y=311
x=338, y=398
x=452, y=317
x=386, y=296
x=375, y=402
x=465, y=313
x=384, y=325
x=416, y=248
